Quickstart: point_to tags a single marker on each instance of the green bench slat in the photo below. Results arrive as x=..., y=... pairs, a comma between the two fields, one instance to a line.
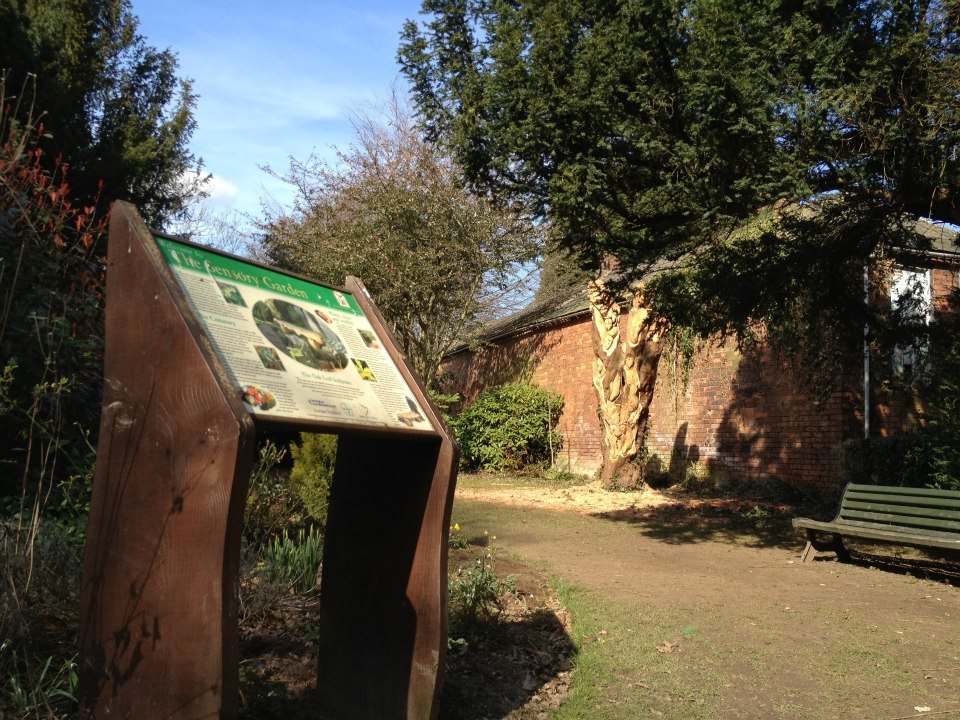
x=852, y=527
x=895, y=490
x=925, y=512
x=901, y=499
x=874, y=533
x=913, y=523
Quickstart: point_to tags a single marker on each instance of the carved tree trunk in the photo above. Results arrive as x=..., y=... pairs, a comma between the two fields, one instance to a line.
x=624, y=374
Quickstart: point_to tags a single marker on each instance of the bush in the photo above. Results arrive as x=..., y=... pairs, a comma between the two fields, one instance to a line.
x=313, y=463
x=902, y=460
x=50, y=314
x=508, y=427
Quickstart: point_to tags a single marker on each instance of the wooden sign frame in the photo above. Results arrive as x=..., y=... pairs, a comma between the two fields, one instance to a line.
x=159, y=601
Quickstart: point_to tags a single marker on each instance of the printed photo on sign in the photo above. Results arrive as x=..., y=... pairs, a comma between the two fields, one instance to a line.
x=369, y=339
x=364, y=369
x=231, y=293
x=269, y=357
x=258, y=397
x=295, y=332
x=412, y=417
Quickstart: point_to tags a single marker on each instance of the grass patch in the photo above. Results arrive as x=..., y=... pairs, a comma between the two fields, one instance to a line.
x=530, y=478
x=634, y=665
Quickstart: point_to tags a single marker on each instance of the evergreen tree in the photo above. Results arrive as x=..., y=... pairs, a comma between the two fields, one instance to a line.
x=113, y=106
x=655, y=129
x=768, y=150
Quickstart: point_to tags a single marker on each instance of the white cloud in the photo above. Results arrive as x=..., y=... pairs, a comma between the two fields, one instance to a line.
x=221, y=190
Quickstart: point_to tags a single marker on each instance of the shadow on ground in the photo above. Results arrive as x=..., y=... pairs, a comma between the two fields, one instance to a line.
x=517, y=668
x=902, y=561
x=741, y=522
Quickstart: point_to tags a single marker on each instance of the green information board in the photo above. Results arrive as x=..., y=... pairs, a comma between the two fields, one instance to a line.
x=295, y=350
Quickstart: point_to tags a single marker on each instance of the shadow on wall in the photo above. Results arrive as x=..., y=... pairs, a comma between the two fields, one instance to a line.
x=776, y=430
x=682, y=456
x=471, y=372
x=744, y=417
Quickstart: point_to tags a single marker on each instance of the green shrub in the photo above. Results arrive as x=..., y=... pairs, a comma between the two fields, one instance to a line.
x=508, y=427
x=902, y=460
x=445, y=403
x=313, y=463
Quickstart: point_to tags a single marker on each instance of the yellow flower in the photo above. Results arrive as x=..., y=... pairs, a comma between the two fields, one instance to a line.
x=493, y=537
x=486, y=532
x=456, y=526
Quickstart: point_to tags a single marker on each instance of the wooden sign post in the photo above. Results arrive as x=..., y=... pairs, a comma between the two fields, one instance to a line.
x=202, y=348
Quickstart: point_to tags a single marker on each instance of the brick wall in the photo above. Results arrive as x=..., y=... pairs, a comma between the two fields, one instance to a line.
x=741, y=412
x=746, y=414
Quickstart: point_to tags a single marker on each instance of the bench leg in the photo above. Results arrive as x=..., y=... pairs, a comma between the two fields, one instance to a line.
x=814, y=545
x=840, y=548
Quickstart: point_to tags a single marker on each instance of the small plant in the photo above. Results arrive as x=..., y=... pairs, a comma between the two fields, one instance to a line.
x=292, y=564
x=475, y=593
x=49, y=693
x=272, y=504
x=560, y=477
x=456, y=540
x=509, y=427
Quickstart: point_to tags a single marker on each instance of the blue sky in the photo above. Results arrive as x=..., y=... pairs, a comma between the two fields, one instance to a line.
x=276, y=80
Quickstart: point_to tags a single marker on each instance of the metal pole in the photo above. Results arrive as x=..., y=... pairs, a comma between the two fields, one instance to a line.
x=866, y=356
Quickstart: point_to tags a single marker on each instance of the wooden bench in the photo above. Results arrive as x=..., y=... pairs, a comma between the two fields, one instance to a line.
x=918, y=517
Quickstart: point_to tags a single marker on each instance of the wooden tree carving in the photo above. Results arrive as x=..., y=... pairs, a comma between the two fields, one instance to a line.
x=624, y=375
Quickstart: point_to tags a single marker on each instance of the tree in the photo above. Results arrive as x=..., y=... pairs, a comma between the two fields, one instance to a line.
x=657, y=131
x=117, y=113
x=866, y=109
x=393, y=211
x=637, y=128
x=50, y=318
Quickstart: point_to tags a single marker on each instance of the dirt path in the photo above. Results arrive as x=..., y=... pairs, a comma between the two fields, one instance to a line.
x=704, y=613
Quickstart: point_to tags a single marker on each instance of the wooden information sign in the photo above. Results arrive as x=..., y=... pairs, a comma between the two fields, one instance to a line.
x=202, y=348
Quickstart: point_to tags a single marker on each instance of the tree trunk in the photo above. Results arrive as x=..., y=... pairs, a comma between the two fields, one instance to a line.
x=624, y=374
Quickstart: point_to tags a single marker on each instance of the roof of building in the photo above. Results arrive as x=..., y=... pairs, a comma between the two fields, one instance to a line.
x=557, y=308
x=574, y=302
x=943, y=238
